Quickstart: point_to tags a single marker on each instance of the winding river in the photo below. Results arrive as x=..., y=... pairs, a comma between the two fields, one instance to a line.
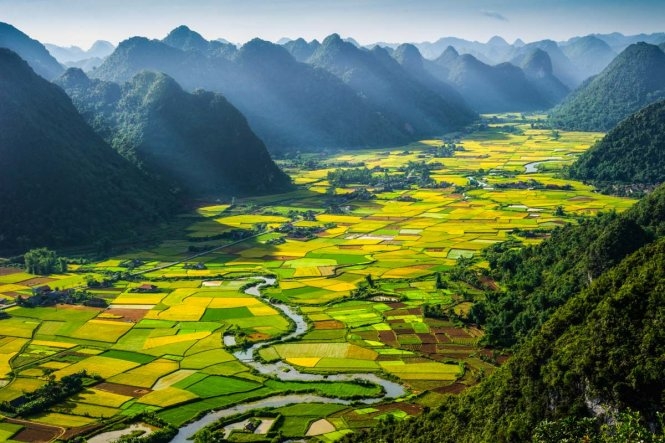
x=284, y=371
x=532, y=168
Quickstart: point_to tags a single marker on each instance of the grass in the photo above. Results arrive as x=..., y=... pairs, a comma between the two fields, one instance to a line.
x=18, y=327
x=98, y=397
x=102, y=330
x=98, y=365
x=327, y=350
x=63, y=420
x=8, y=430
x=166, y=397
x=310, y=409
x=129, y=356
x=219, y=314
x=331, y=389
x=146, y=375
x=294, y=426
x=214, y=386
x=205, y=359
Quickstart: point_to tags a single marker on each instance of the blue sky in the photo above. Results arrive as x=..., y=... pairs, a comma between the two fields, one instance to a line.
x=82, y=22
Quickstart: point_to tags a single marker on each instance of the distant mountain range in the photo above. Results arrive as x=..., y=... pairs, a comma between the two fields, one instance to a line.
x=198, y=143
x=61, y=183
x=75, y=57
x=312, y=95
x=573, y=60
x=497, y=88
x=634, y=79
x=288, y=103
x=417, y=107
x=64, y=55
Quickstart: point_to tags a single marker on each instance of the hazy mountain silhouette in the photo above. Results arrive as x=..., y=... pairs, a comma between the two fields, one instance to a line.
x=590, y=54
x=376, y=75
x=300, y=49
x=289, y=104
x=537, y=67
x=74, y=54
x=499, y=88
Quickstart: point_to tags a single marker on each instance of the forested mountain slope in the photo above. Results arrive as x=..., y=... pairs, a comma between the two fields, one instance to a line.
x=632, y=152
x=634, y=79
x=61, y=183
x=194, y=142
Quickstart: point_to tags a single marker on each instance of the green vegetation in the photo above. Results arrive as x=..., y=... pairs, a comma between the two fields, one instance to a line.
x=43, y=262
x=541, y=278
x=633, y=153
x=634, y=79
x=94, y=193
x=50, y=394
x=568, y=366
x=198, y=142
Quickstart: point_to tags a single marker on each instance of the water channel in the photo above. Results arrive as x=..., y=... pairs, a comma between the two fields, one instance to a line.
x=284, y=371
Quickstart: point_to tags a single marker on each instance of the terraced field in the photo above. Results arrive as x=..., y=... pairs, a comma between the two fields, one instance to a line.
x=360, y=266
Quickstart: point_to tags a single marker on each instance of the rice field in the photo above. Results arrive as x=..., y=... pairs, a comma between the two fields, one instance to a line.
x=163, y=350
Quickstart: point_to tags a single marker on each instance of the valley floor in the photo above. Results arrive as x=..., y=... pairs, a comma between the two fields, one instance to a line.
x=370, y=268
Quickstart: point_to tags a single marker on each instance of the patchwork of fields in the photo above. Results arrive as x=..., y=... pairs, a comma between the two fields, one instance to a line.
x=163, y=350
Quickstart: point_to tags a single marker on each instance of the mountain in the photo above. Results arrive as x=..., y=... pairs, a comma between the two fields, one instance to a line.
x=308, y=107
x=409, y=57
x=87, y=64
x=499, y=88
x=61, y=183
x=289, y=104
x=537, y=67
x=73, y=54
x=632, y=152
x=100, y=49
x=65, y=54
x=137, y=54
x=374, y=74
x=486, y=54
x=185, y=39
x=300, y=49
x=562, y=67
x=30, y=50
x=618, y=42
x=634, y=79
x=197, y=142
x=598, y=355
x=589, y=54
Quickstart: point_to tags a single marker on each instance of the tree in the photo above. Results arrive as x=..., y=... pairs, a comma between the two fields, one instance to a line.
x=440, y=283
x=43, y=261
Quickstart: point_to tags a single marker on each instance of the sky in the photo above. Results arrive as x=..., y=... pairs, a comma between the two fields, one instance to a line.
x=81, y=22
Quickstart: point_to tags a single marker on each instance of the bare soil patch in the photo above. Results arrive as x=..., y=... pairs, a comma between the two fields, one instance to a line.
x=128, y=390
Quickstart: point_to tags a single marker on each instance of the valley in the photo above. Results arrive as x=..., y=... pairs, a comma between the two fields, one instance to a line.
x=366, y=315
